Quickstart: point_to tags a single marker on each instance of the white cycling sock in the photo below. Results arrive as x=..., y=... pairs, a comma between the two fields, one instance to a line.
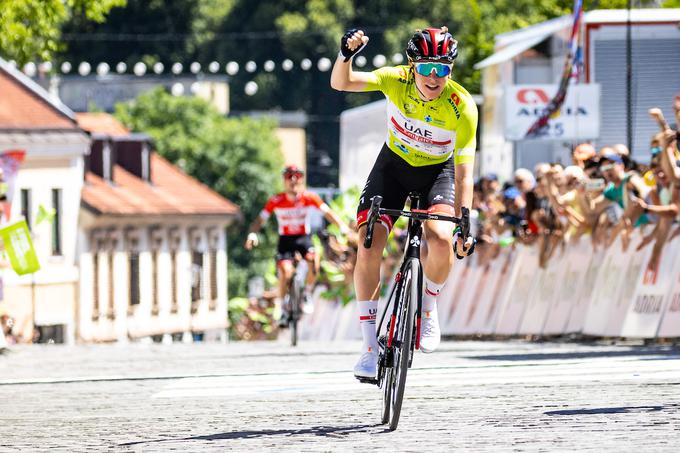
x=368, y=309
x=431, y=292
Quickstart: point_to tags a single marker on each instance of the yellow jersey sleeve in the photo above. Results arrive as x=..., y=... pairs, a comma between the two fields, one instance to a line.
x=386, y=79
x=466, y=135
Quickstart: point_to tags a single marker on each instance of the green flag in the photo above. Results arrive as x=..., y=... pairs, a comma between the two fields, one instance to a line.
x=19, y=246
x=44, y=214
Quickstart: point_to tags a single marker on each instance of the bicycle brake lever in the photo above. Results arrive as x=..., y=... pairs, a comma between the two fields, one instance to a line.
x=372, y=217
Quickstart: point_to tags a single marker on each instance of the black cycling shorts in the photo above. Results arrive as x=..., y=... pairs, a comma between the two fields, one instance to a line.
x=289, y=245
x=393, y=178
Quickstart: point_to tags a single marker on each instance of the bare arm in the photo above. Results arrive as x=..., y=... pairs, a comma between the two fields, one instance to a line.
x=668, y=157
x=598, y=204
x=255, y=226
x=657, y=115
x=334, y=218
x=343, y=78
x=464, y=186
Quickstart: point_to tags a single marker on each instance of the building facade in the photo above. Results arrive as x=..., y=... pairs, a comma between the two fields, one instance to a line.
x=50, y=176
x=153, y=258
x=133, y=248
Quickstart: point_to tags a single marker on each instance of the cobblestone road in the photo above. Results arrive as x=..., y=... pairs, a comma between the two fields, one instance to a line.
x=469, y=396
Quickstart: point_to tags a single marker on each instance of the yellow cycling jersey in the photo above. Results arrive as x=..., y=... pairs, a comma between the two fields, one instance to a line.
x=426, y=133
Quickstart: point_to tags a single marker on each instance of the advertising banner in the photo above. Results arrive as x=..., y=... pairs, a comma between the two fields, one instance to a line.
x=9, y=167
x=508, y=262
x=584, y=294
x=519, y=290
x=448, y=307
x=17, y=241
x=669, y=326
x=606, y=291
x=652, y=293
x=570, y=276
x=478, y=310
x=635, y=262
x=464, y=296
x=577, y=119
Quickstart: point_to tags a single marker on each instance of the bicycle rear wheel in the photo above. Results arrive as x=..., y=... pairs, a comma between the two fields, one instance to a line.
x=408, y=299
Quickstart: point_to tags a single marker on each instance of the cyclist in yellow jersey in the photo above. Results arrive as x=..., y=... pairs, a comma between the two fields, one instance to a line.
x=430, y=148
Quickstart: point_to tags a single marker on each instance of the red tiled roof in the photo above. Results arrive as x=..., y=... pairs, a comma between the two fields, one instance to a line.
x=22, y=108
x=172, y=192
x=101, y=123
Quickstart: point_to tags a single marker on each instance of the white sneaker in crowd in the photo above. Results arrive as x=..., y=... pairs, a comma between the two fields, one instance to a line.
x=367, y=366
x=430, y=335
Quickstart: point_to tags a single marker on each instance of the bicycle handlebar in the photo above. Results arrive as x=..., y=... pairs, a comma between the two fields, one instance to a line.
x=376, y=211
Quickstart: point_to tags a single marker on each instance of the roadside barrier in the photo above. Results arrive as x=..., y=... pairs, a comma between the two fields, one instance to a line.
x=603, y=293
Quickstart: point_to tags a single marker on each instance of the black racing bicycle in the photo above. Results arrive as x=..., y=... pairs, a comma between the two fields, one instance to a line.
x=399, y=339
x=295, y=298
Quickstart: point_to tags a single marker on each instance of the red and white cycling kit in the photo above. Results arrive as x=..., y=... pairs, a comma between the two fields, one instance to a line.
x=292, y=214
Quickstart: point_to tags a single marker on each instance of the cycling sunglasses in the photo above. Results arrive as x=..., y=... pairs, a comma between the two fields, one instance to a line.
x=293, y=175
x=440, y=69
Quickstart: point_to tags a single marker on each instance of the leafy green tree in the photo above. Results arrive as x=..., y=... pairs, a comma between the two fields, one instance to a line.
x=240, y=158
x=31, y=29
x=243, y=30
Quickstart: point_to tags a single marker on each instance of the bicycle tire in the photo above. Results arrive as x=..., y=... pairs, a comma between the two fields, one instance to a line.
x=386, y=383
x=295, y=294
x=408, y=297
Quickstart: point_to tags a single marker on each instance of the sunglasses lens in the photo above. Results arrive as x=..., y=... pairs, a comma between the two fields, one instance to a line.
x=425, y=69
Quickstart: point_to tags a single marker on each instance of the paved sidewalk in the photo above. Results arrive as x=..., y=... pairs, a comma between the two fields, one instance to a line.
x=469, y=396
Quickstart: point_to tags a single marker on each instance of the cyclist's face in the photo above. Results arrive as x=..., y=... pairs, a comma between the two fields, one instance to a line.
x=432, y=85
x=294, y=182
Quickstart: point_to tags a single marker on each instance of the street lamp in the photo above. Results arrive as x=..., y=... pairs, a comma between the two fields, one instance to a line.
x=232, y=68
x=324, y=64
x=251, y=88
x=84, y=68
x=102, y=69
x=139, y=69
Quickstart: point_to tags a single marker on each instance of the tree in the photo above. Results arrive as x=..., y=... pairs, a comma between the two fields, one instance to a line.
x=243, y=30
x=239, y=158
x=31, y=29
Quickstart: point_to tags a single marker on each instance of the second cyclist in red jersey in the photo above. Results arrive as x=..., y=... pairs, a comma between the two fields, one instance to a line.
x=292, y=211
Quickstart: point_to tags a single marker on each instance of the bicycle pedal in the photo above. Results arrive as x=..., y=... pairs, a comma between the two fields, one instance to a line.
x=365, y=380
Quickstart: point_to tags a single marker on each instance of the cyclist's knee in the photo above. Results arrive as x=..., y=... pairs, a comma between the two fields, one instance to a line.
x=285, y=270
x=438, y=235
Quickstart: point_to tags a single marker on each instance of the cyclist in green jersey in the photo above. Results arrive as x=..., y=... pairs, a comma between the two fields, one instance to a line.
x=430, y=148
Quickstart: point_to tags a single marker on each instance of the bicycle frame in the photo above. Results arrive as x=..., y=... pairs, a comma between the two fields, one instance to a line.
x=412, y=251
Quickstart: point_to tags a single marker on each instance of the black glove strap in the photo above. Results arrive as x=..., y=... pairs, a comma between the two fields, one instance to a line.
x=345, y=50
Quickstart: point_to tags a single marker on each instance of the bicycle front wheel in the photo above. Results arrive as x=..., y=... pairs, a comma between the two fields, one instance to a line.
x=295, y=301
x=408, y=299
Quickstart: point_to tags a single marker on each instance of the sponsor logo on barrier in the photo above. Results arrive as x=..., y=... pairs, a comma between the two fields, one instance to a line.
x=648, y=303
x=675, y=304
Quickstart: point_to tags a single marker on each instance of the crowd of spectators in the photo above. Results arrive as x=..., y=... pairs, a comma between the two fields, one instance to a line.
x=603, y=194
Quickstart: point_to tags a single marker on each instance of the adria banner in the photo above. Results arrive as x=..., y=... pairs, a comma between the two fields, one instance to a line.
x=577, y=119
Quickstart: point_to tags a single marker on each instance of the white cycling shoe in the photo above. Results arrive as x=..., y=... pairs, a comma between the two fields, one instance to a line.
x=430, y=335
x=367, y=366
